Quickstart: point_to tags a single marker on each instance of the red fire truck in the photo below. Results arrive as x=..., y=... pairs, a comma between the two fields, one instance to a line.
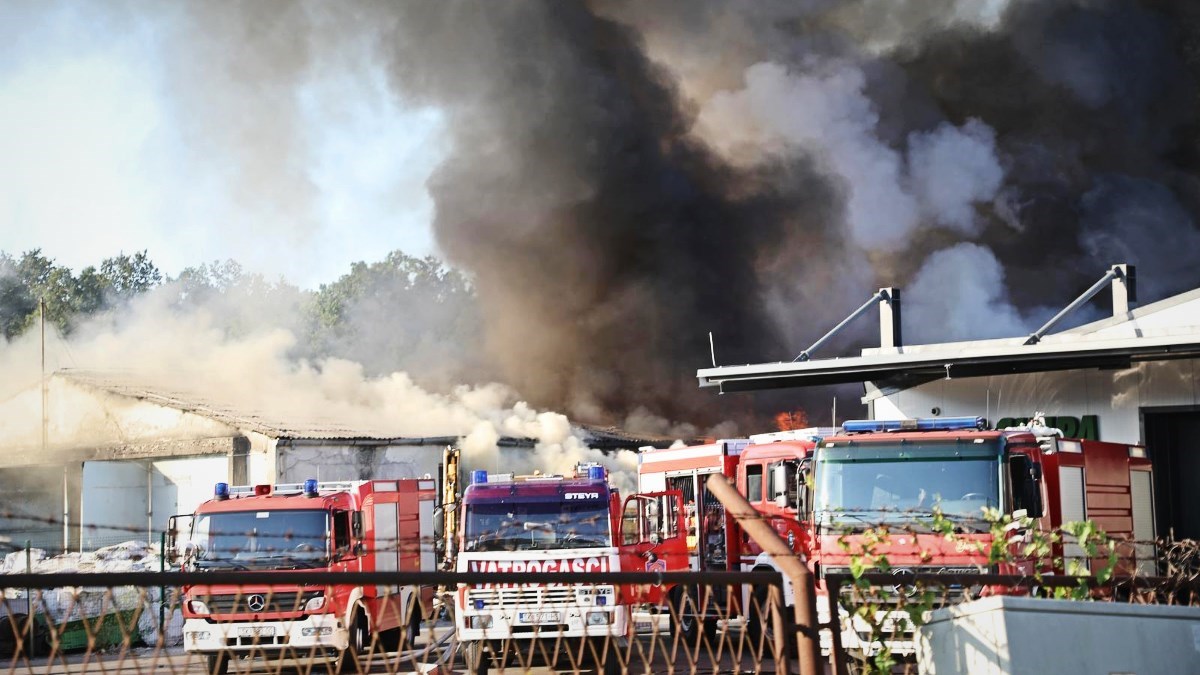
x=896, y=471
x=541, y=523
x=367, y=526
x=770, y=470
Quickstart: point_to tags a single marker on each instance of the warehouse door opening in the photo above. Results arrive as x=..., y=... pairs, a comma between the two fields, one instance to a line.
x=1172, y=438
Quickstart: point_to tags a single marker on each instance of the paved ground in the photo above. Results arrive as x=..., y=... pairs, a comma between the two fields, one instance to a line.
x=650, y=656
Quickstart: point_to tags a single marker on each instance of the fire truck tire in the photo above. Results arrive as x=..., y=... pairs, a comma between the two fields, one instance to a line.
x=612, y=661
x=11, y=629
x=475, y=658
x=684, y=623
x=348, y=659
x=217, y=663
x=757, y=622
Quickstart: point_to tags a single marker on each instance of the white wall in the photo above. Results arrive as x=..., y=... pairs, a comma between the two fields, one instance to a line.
x=114, y=496
x=1115, y=396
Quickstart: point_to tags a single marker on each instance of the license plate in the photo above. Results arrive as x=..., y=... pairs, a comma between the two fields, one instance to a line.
x=538, y=617
x=256, y=631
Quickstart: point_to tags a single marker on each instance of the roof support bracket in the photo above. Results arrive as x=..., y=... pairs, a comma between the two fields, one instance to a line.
x=884, y=295
x=1117, y=274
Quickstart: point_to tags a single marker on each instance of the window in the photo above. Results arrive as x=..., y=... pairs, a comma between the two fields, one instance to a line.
x=631, y=523
x=754, y=482
x=341, y=530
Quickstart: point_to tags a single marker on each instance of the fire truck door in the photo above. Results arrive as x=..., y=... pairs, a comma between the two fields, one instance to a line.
x=653, y=538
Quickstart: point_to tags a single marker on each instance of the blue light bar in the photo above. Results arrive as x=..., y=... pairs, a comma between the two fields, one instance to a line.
x=923, y=424
x=596, y=472
x=478, y=477
x=310, y=487
x=221, y=491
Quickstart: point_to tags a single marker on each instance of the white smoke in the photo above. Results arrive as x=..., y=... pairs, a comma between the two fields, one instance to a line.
x=824, y=112
x=255, y=375
x=882, y=26
x=952, y=169
x=958, y=294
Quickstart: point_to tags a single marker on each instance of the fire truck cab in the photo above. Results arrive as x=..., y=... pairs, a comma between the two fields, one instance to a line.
x=360, y=526
x=553, y=523
x=894, y=472
x=770, y=470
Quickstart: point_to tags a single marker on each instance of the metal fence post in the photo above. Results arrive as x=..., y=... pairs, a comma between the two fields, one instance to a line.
x=807, y=636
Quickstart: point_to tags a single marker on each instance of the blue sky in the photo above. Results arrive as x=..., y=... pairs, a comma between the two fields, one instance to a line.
x=106, y=151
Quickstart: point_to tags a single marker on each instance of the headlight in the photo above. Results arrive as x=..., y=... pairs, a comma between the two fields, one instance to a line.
x=598, y=618
x=197, y=607
x=481, y=622
x=315, y=604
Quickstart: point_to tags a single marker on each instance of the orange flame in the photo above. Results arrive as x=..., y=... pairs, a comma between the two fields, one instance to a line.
x=791, y=419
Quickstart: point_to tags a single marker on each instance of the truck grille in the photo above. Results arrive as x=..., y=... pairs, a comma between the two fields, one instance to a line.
x=523, y=596
x=248, y=603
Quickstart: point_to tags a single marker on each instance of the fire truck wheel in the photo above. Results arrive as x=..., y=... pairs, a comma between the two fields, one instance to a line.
x=683, y=614
x=475, y=658
x=759, y=622
x=612, y=662
x=348, y=660
x=217, y=663
x=10, y=633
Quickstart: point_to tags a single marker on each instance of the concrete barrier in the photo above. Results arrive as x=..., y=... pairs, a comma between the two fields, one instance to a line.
x=1032, y=635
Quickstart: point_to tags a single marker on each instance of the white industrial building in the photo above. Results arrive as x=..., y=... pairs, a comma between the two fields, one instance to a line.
x=1131, y=378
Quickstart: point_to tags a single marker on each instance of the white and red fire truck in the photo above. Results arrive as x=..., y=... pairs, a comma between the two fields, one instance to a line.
x=537, y=524
x=896, y=471
x=360, y=526
x=771, y=471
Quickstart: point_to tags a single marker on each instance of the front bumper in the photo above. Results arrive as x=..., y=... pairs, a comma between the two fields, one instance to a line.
x=315, y=631
x=514, y=623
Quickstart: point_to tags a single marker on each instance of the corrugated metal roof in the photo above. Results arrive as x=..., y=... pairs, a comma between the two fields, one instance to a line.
x=612, y=438
x=174, y=393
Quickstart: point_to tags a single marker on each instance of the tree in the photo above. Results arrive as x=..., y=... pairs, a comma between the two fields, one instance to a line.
x=127, y=276
x=403, y=312
x=16, y=302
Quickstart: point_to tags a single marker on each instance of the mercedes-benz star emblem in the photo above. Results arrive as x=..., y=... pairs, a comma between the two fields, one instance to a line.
x=256, y=603
x=905, y=588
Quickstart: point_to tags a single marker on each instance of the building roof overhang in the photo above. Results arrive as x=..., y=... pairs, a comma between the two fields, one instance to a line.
x=1107, y=344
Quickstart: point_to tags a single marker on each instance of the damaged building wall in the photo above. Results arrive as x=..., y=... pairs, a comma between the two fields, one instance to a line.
x=342, y=460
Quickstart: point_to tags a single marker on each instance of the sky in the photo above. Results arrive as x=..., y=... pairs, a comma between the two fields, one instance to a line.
x=102, y=156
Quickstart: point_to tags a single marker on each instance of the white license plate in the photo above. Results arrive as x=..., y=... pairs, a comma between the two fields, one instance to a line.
x=256, y=631
x=538, y=617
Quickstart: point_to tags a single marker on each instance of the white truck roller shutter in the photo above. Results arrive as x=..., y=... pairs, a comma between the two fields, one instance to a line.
x=387, y=545
x=1142, y=497
x=1073, y=507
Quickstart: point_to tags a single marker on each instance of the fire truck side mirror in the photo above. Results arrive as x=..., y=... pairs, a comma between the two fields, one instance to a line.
x=356, y=523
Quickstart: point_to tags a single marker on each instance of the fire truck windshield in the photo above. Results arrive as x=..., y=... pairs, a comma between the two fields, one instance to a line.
x=879, y=482
x=536, y=526
x=257, y=540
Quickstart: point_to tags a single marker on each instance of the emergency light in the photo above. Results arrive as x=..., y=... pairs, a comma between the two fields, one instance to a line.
x=596, y=473
x=310, y=487
x=478, y=477
x=221, y=491
x=923, y=424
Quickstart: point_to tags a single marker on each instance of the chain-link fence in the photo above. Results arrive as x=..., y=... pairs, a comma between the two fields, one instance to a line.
x=321, y=622
x=307, y=622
